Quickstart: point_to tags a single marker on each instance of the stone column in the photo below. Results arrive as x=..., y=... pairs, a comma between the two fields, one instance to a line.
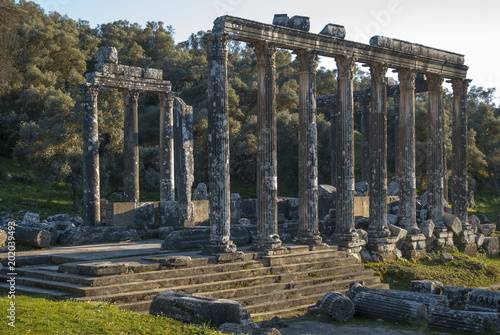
x=333, y=144
x=406, y=157
x=365, y=140
x=131, y=145
x=267, y=178
x=345, y=233
x=397, y=103
x=184, y=161
x=91, y=188
x=218, y=146
x=435, y=146
x=167, y=180
x=379, y=234
x=308, y=151
x=459, y=147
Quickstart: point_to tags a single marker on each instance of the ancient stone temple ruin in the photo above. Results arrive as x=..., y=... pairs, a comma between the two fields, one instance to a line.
x=408, y=60
x=176, y=122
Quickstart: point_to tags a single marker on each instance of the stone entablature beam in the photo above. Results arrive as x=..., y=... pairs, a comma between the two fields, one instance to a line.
x=428, y=60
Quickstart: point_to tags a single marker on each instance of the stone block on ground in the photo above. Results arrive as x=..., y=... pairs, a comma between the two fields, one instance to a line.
x=31, y=218
x=486, y=229
x=445, y=257
x=400, y=235
x=427, y=228
x=483, y=301
x=187, y=307
x=483, y=219
x=326, y=191
x=452, y=222
x=426, y=286
x=456, y=295
x=491, y=246
x=474, y=220
x=200, y=192
x=464, y=321
x=393, y=189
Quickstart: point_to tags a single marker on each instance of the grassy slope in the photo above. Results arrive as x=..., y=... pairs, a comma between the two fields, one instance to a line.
x=38, y=315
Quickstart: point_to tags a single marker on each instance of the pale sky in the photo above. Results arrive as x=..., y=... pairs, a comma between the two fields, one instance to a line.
x=468, y=27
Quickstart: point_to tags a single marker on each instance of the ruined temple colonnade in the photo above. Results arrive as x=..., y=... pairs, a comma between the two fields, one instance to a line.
x=381, y=54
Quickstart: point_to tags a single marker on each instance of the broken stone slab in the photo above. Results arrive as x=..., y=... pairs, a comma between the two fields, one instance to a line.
x=457, y=320
x=474, y=220
x=393, y=189
x=483, y=301
x=400, y=235
x=104, y=268
x=326, y=191
x=445, y=257
x=237, y=329
x=334, y=30
x=389, y=308
x=187, y=307
x=453, y=223
x=427, y=228
x=486, y=229
x=426, y=286
x=337, y=306
x=479, y=240
x=491, y=246
x=31, y=218
x=200, y=192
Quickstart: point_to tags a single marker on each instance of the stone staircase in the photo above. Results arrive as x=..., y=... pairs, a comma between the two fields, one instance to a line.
x=281, y=285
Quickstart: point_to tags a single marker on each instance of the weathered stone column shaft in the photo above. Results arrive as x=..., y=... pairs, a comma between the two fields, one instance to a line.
x=406, y=157
x=167, y=180
x=378, y=148
x=131, y=145
x=435, y=144
x=267, y=178
x=184, y=161
x=459, y=140
x=91, y=185
x=365, y=141
x=345, y=146
x=308, y=154
x=333, y=144
x=218, y=145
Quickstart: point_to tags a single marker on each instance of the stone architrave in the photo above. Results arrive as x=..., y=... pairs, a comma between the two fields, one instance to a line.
x=167, y=179
x=406, y=155
x=131, y=145
x=267, y=178
x=365, y=140
x=459, y=148
x=218, y=146
x=435, y=146
x=91, y=189
x=308, y=153
x=184, y=161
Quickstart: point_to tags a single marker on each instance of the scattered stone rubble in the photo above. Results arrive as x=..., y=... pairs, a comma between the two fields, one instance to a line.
x=428, y=302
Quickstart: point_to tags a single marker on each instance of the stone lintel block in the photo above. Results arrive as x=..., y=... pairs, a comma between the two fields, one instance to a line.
x=152, y=73
x=299, y=22
x=334, y=30
x=132, y=71
x=110, y=68
x=106, y=54
x=281, y=20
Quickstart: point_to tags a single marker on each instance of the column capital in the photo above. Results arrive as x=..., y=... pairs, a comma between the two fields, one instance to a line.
x=345, y=66
x=89, y=91
x=460, y=86
x=435, y=82
x=217, y=45
x=166, y=98
x=406, y=78
x=131, y=94
x=378, y=72
x=265, y=53
x=308, y=60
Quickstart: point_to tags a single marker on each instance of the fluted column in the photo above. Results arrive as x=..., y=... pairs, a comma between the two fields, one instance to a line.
x=345, y=146
x=267, y=178
x=308, y=151
x=131, y=145
x=397, y=104
x=333, y=144
x=459, y=143
x=435, y=140
x=167, y=180
x=378, y=148
x=365, y=141
x=91, y=186
x=406, y=157
x=218, y=146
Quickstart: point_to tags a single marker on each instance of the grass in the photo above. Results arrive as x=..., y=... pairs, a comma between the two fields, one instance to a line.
x=462, y=271
x=487, y=204
x=43, y=315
